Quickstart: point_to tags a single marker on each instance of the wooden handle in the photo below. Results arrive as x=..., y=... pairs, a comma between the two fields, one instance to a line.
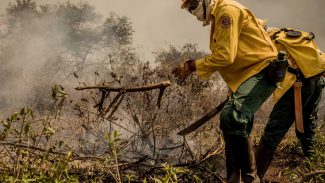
x=298, y=107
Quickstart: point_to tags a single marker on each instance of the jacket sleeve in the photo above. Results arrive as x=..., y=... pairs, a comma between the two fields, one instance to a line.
x=224, y=41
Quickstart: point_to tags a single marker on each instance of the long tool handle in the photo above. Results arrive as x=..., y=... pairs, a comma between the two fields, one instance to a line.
x=197, y=124
x=298, y=107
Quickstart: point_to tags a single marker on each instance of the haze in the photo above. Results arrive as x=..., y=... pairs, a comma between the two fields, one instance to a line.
x=158, y=23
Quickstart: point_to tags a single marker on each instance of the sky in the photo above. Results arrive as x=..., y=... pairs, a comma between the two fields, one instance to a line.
x=159, y=23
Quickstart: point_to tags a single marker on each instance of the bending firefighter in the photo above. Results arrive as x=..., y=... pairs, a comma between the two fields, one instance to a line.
x=241, y=52
x=297, y=97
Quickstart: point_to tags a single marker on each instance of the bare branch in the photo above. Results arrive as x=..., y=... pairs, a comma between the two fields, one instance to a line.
x=30, y=147
x=107, y=119
x=311, y=175
x=132, y=89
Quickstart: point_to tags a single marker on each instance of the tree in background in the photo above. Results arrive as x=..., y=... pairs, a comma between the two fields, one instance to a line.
x=47, y=44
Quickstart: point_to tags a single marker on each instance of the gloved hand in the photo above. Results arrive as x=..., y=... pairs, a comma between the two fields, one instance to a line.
x=184, y=69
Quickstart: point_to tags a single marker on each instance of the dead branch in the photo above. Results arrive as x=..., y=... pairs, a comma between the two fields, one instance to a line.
x=107, y=119
x=101, y=102
x=163, y=84
x=115, y=107
x=170, y=148
x=214, y=153
x=84, y=158
x=31, y=147
x=106, y=89
x=311, y=175
x=161, y=92
x=212, y=173
x=116, y=98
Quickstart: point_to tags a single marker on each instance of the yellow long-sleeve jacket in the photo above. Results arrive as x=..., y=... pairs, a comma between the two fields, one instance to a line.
x=240, y=46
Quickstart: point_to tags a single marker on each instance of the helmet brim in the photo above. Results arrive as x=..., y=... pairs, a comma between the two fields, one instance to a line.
x=184, y=4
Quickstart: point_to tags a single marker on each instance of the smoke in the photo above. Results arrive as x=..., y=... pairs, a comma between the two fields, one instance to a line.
x=43, y=47
x=160, y=23
x=26, y=52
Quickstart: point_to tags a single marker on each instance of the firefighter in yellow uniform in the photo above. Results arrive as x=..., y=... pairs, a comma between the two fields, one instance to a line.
x=241, y=51
x=306, y=65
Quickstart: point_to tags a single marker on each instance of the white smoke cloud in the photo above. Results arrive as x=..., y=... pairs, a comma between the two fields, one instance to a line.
x=29, y=52
x=159, y=23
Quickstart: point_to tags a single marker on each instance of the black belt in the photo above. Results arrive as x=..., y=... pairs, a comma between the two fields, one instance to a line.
x=297, y=72
x=300, y=76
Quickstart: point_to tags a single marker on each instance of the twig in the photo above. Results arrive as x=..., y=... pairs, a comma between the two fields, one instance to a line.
x=214, y=153
x=88, y=157
x=46, y=121
x=107, y=119
x=30, y=147
x=185, y=144
x=102, y=99
x=101, y=159
x=138, y=162
x=11, y=156
x=311, y=175
x=212, y=173
x=115, y=107
x=133, y=89
x=171, y=148
x=161, y=92
x=114, y=101
x=188, y=148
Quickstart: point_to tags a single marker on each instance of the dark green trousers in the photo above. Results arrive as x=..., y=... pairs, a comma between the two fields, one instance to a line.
x=236, y=118
x=236, y=121
x=283, y=115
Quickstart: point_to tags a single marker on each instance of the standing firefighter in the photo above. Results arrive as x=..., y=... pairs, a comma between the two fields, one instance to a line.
x=297, y=97
x=241, y=52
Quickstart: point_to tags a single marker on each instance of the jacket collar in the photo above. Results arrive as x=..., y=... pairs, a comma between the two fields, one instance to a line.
x=216, y=7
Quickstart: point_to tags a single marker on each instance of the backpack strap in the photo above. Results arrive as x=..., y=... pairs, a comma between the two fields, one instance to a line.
x=310, y=37
x=290, y=33
x=297, y=72
x=275, y=35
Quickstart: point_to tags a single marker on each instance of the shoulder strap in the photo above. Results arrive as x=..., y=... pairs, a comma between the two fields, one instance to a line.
x=290, y=33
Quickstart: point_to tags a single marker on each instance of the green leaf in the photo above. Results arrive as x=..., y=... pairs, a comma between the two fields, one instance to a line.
x=26, y=128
